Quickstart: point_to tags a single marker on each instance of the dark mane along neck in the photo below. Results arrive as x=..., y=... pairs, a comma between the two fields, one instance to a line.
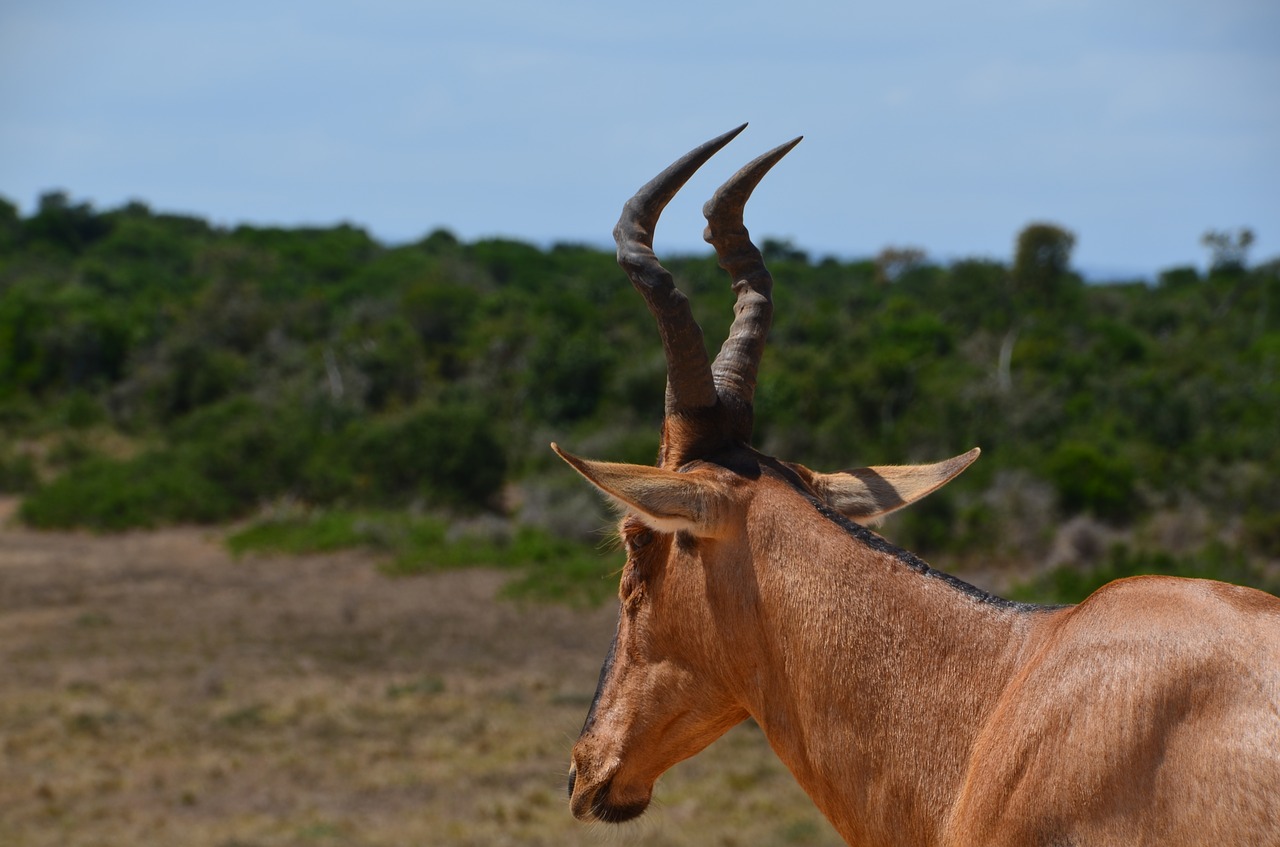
x=878, y=543
x=911, y=560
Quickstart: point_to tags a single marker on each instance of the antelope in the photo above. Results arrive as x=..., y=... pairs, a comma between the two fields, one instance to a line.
x=912, y=707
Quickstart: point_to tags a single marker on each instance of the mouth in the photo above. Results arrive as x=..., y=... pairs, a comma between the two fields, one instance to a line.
x=589, y=805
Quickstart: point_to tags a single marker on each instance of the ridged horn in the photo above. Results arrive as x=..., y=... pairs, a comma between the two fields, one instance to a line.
x=735, y=368
x=690, y=385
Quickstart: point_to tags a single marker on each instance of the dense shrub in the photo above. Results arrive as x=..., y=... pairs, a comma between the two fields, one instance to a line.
x=316, y=365
x=1262, y=530
x=227, y=459
x=1089, y=479
x=1071, y=584
x=17, y=473
x=447, y=454
x=152, y=490
x=251, y=451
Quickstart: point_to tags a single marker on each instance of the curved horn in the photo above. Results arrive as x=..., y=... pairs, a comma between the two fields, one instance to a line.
x=689, y=381
x=736, y=366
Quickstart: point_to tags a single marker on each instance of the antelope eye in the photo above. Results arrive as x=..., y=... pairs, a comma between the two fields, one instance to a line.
x=639, y=540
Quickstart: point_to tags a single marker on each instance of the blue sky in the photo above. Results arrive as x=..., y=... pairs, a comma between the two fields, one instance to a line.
x=1137, y=125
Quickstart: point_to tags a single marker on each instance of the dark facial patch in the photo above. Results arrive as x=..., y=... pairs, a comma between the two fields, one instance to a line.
x=604, y=677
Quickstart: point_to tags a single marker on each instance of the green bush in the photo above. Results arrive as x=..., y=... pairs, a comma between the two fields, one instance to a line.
x=196, y=375
x=317, y=365
x=219, y=465
x=17, y=473
x=547, y=567
x=318, y=532
x=1072, y=584
x=568, y=375
x=250, y=451
x=151, y=490
x=1262, y=531
x=1090, y=480
x=446, y=454
x=224, y=461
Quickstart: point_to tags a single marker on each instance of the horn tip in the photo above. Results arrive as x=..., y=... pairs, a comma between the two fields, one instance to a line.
x=721, y=140
x=784, y=149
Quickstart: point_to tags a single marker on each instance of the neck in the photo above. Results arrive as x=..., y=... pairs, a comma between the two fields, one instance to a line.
x=877, y=676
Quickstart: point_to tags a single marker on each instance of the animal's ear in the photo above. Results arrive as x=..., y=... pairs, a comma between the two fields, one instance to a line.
x=864, y=493
x=664, y=500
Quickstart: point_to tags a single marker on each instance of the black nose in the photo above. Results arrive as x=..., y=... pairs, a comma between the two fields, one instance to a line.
x=573, y=777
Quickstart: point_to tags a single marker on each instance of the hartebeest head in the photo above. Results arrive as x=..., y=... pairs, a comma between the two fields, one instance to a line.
x=703, y=529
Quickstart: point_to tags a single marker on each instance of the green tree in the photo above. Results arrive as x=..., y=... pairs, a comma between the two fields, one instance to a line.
x=1228, y=252
x=64, y=226
x=1093, y=479
x=893, y=262
x=1041, y=263
x=10, y=225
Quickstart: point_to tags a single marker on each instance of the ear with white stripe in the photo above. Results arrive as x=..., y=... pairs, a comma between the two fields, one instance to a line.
x=868, y=493
x=664, y=500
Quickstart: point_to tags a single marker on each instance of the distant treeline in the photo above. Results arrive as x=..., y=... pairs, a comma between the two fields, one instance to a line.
x=155, y=368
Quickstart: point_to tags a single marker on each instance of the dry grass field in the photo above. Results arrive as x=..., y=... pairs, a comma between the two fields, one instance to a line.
x=156, y=691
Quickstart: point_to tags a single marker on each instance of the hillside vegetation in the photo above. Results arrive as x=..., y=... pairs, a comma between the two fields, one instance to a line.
x=156, y=369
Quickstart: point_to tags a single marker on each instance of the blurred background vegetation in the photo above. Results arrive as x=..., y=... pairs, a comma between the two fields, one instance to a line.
x=317, y=389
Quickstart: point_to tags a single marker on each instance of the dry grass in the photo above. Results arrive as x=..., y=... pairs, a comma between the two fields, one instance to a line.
x=154, y=691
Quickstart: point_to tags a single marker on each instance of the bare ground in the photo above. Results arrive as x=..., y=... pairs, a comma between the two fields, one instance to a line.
x=153, y=690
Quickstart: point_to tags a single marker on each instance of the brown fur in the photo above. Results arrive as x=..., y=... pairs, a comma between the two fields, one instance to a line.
x=914, y=709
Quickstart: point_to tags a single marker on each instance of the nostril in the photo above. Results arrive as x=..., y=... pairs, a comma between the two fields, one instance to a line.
x=573, y=778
